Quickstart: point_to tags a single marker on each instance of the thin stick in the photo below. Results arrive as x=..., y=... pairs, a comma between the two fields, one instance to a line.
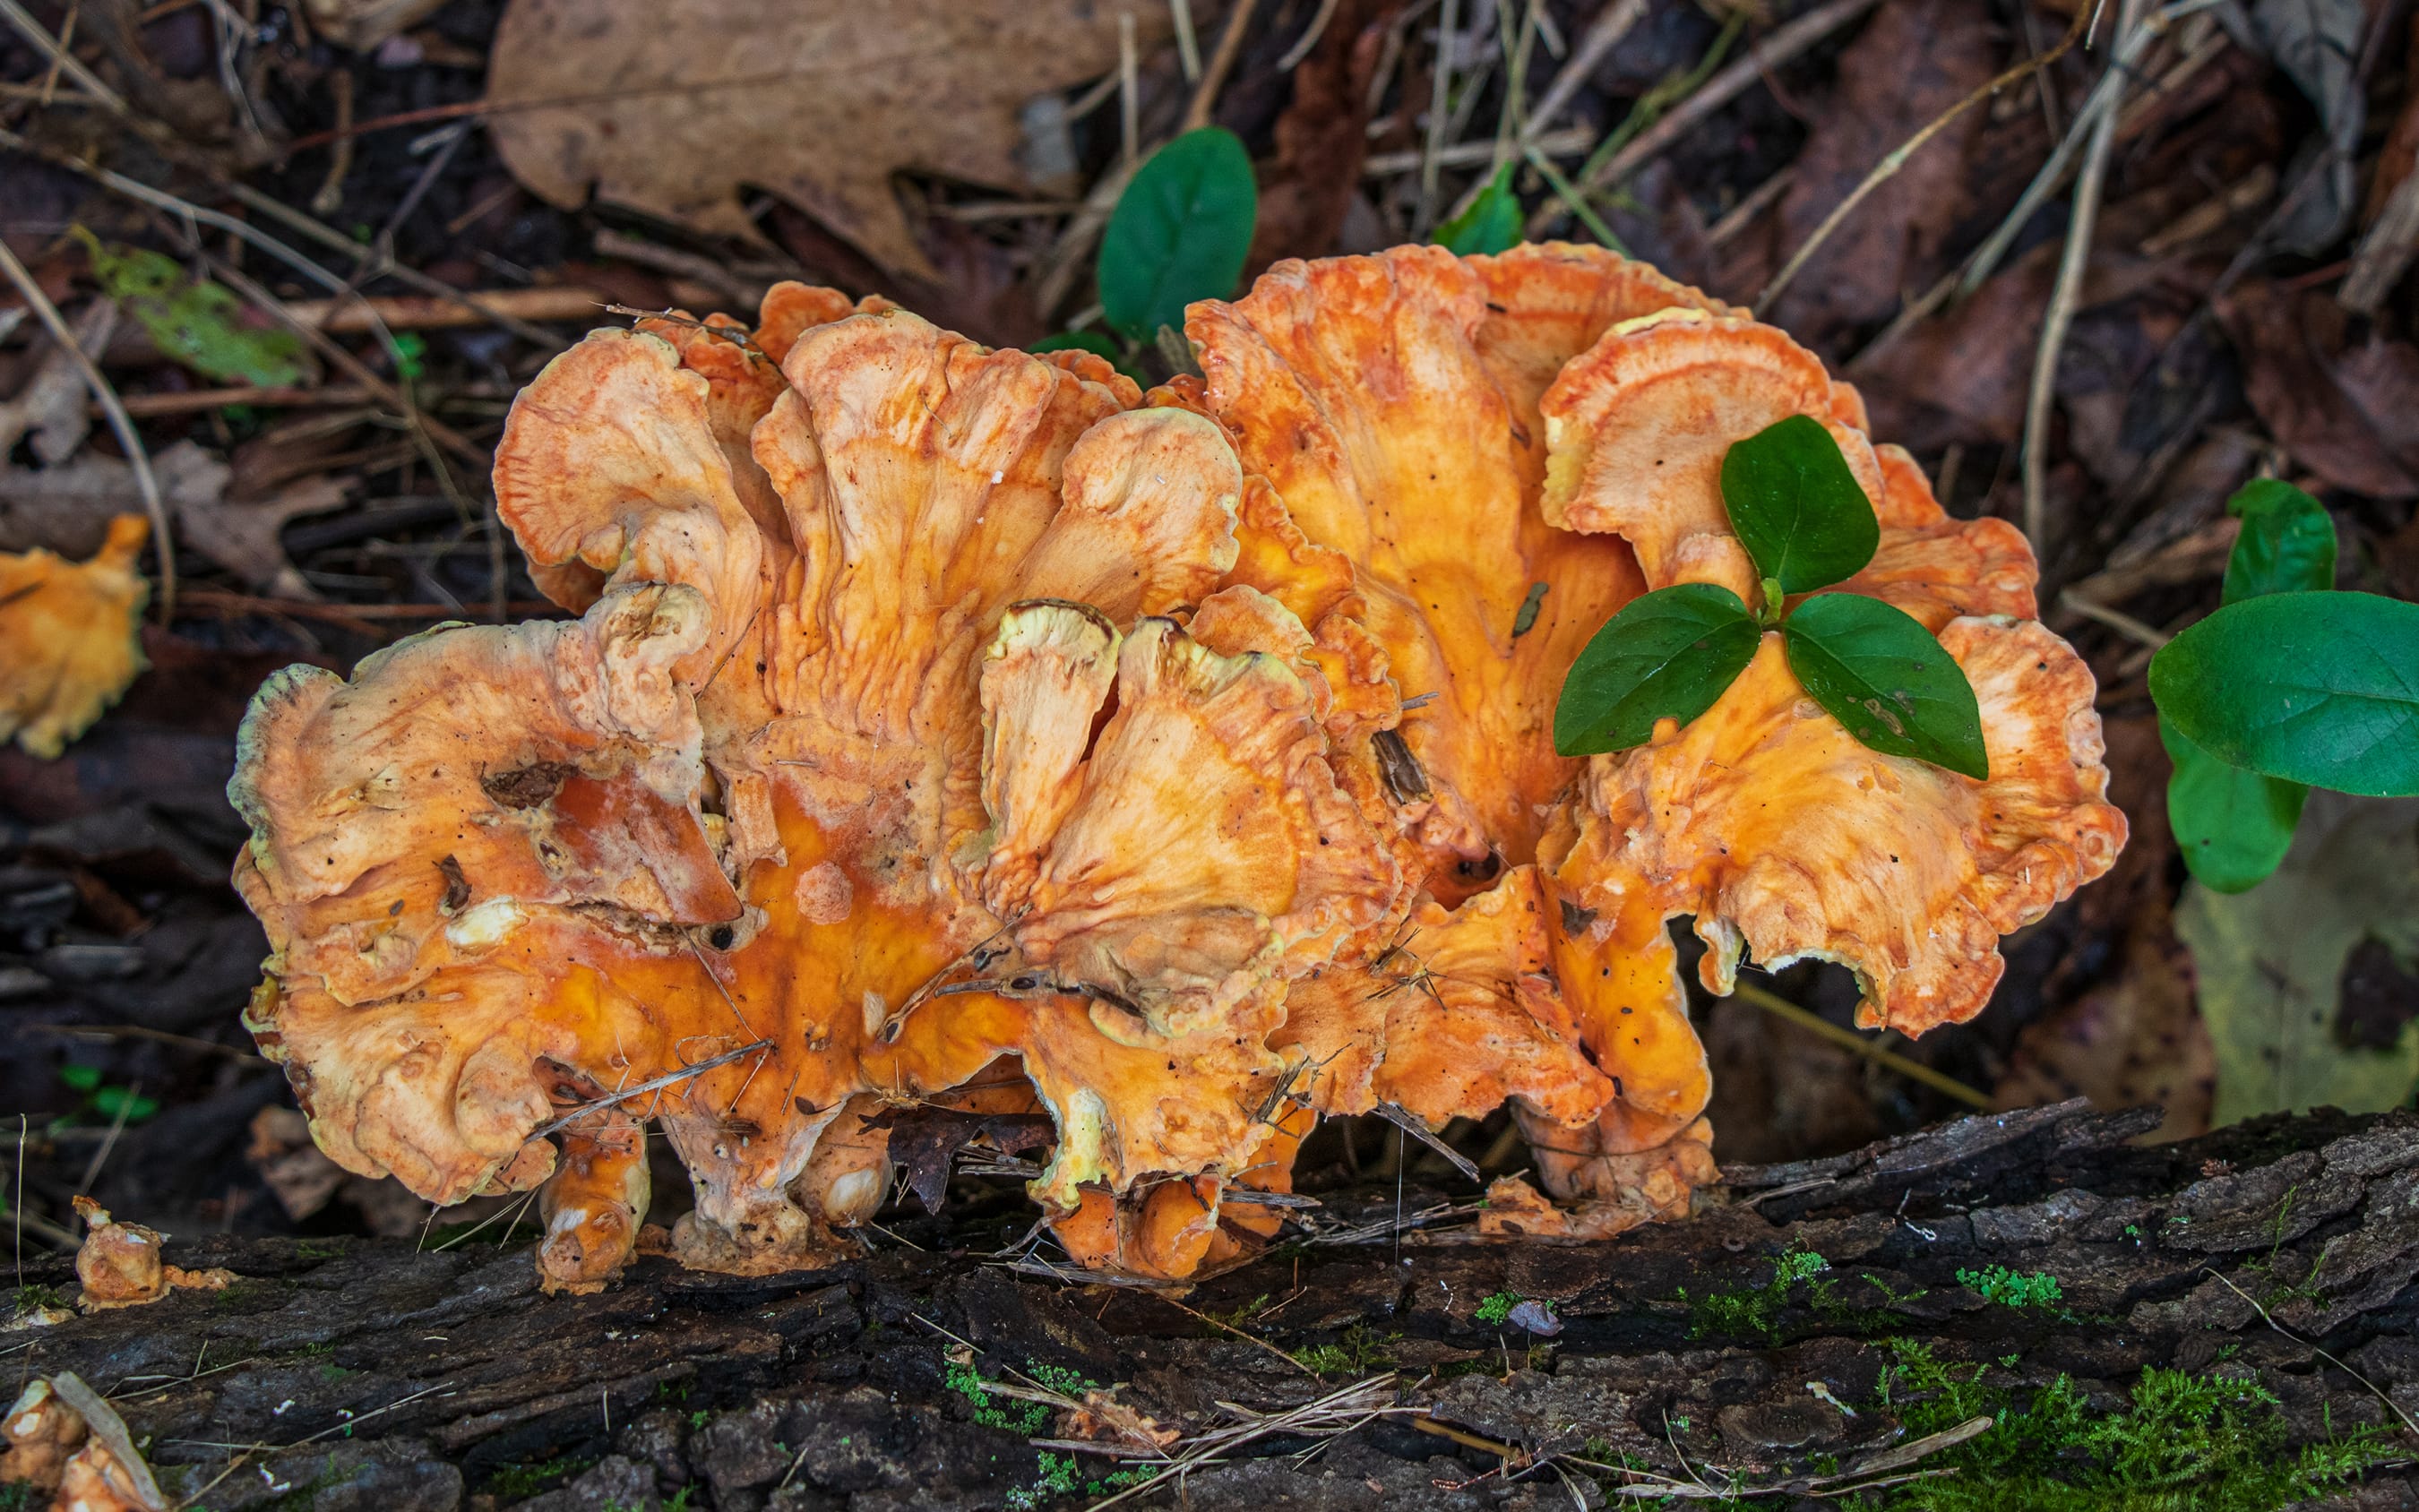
x=1603, y=34
x=1782, y=1008
x=1440, y=93
x=109, y=1141
x=36, y=33
x=2063, y=300
x=2116, y=619
x=1247, y=1338
x=1753, y=204
x=1309, y=38
x=581, y=1110
x=120, y=423
x=2392, y=1405
x=1129, y=90
x=2053, y=173
x=1572, y=198
x=1762, y=58
x=1221, y=63
x=1188, y=47
x=1900, y=156
x=16, y=1208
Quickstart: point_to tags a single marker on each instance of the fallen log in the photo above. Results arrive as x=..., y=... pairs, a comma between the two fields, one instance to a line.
x=1958, y=1317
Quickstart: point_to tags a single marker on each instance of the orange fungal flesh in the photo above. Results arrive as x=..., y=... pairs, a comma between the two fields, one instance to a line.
x=955, y=728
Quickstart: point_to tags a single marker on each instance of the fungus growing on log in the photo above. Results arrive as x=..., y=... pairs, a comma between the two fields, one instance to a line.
x=957, y=734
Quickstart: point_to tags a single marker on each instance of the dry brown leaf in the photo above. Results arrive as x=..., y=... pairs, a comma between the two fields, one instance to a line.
x=1916, y=58
x=2347, y=410
x=820, y=102
x=242, y=536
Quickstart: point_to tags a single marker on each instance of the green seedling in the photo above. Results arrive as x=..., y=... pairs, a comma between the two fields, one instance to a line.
x=1806, y=525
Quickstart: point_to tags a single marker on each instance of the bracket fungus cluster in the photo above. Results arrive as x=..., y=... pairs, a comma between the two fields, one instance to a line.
x=967, y=730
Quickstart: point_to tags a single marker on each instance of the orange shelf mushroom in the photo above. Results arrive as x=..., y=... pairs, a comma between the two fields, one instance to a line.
x=957, y=727
x=71, y=637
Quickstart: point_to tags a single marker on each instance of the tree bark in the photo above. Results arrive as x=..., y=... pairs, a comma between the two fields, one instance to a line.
x=350, y=1373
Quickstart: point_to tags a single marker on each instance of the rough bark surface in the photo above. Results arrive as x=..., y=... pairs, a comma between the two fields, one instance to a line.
x=351, y=1375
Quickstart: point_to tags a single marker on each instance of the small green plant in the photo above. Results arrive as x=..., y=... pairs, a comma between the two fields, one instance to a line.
x=1497, y=1308
x=1490, y=225
x=1755, y=1311
x=513, y=1483
x=1180, y=232
x=1806, y=525
x=410, y=355
x=1057, y=1479
x=105, y=1100
x=697, y=1419
x=34, y=1298
x=2289, y=685
x=1358, y=1353
x=2207, y=1443
x=992, y=1410
x=2009, y=1289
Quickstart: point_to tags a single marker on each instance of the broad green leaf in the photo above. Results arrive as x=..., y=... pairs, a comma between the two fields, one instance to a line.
x=1796, y=507
x=1668, y=655
x=1492, y=223
x=82, y=1078
x=1179, y=233
x=2287, y=543
x=2320, y=688
x=2233, y=827
x=2268, y=964
x=200, y=325
x=1881, y=674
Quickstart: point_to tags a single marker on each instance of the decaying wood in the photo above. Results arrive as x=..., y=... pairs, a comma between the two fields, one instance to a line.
x=351, y=1374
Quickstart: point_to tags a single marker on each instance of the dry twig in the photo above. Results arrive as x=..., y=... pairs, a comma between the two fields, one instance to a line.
x=120, y=423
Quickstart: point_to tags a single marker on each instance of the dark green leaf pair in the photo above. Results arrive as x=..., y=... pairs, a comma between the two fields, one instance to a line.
x=1806, y=525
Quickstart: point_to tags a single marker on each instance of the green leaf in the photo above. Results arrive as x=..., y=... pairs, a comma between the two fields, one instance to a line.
x=82, y=1079
x=1796, y=507
x=2269, y=966
x=200, y=325
x=1080, y=340
x=2320, y=688
x=1881, y=674
x=1492, y=223
x=110, y=1100
x=2233, y=827
x=1179, y=233
x=2287, y=543
x=410, y=355
x=1668, y=655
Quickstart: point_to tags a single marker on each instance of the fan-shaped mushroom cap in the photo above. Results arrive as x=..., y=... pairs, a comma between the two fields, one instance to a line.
x=1764, y=818
x=1784, y=837
x=1639, y=424
x=848, y=803
x=71, y=637
x=1392, y=404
